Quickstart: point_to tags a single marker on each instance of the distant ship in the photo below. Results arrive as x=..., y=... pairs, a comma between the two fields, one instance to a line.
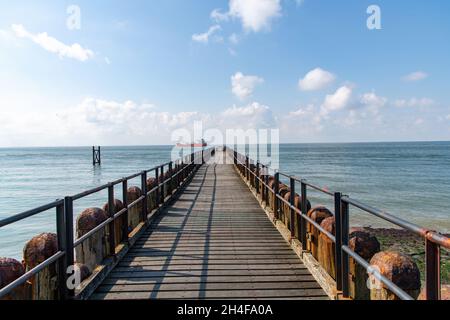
x=200, y=144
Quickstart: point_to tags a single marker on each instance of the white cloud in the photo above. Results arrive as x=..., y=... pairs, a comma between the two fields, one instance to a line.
x=415, y=76
x=447, y=117
x=204, y=37
x=254, y=116
x=243, y=86
x=316, y=79
x=419, y=121
x=255, y=15
x=414, y=102
x=336, y=101
x=234, y=38
x=107, y=122
x=74, y=51
x=373, y=102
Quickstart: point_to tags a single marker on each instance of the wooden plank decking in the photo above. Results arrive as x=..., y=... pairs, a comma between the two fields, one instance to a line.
x=213, y=242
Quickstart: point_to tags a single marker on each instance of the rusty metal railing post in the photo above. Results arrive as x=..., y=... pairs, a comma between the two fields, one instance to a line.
x=70, y=260
x=125, y=215
x=157, y=187
x=338, y=245
x=163, y=178
x=292, y=211
x=276, y=188
x=344, y=255
x=304, y=210
x=111, y=225
x=170, y=190
x=432, y=270
x=257, y=177
x=62, y=262
x=247, y=169
x=266, y=188
x=144, y=193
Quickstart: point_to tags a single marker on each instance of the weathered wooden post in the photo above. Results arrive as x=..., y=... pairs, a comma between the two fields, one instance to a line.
x=151, y=200
x=117, y=206
x=144, y=210
x=10, y=270
x=293, y=213
x=398, y=268
x=93, y=250
x=366, y=246
x=276, y=187
x=44, y=285
x=317, y=214
x=134, y=213
x=326, y=247
x=125, y=230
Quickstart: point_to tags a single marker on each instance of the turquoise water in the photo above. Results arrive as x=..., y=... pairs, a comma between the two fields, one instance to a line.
x=410, y=180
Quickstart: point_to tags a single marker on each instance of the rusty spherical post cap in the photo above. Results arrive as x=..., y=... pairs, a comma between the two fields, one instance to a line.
x=329, y=225
x=363, y=243
x=39, y=249
x=133, y=193
x=151, y=183
x=399, y=268
x=118, y=205
x=319, y=213
x=90, y=218
x=10, y=270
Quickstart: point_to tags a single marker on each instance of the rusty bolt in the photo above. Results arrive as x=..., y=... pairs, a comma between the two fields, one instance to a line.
x=399, y=268
x=133, y=194
x=90, y=218
x=39, y=249
x=10, y=270
x=364, y=244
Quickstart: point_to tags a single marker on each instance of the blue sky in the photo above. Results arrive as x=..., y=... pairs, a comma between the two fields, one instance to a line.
x=141, y=69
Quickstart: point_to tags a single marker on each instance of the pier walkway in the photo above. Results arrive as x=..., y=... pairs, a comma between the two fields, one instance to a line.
x=214, y=241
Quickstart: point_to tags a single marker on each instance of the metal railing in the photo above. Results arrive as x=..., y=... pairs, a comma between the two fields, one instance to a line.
x=342, y=203
x=180, y=171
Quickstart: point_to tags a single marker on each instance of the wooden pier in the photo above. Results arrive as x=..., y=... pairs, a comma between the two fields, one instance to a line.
x=215, y=224
x=213, y=242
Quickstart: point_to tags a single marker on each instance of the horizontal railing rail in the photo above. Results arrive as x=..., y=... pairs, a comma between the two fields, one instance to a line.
x=433, y=240
x=180, y=171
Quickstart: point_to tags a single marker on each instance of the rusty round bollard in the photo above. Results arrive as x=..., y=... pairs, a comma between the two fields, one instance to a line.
x=10, y=270
x=298, y=205
x=398, y=268
x=93, y=250
x=134, y=214
x=366, y=246
x=284, y=212
x=36, y=251
x=327, y=248
x=270, y=183
x=119, y=222
x=317, y=214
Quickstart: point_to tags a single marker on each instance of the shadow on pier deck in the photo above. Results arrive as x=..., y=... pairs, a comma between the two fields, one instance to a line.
x=213, y=242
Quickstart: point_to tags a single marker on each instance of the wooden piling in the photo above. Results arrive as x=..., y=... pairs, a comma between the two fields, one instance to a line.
x=366, y=246
x=10, y=270
x=327, y=248
x=317, y=214
x=92, y=251
x=134, y=213
x=36, y=251
x=398, y=268
x=118, y=223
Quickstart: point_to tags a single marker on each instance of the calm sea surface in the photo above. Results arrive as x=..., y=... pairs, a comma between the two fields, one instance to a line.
x=410, y=180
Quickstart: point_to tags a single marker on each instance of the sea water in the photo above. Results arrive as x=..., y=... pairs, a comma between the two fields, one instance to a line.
x=408, y=180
